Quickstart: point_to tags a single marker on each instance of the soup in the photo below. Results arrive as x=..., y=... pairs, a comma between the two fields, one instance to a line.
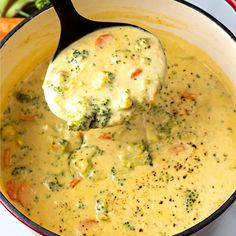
x=100, y=79
x=158, y=174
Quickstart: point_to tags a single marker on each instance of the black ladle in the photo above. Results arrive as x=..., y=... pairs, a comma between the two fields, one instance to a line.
x=74, y=26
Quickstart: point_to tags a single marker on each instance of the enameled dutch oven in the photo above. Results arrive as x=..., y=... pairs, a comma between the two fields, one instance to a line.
x=36, y=38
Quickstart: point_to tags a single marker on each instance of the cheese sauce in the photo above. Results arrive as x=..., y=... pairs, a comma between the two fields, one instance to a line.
x=158, y=174
x=96, y=81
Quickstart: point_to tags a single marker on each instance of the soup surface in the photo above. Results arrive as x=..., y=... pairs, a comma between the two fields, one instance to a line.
x=159, y=174
x=99, y=80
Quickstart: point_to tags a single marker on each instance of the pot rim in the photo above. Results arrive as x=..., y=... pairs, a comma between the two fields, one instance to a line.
x=195, y=228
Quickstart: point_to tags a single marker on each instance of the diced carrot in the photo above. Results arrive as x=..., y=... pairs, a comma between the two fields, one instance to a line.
x=188, y=95
x=74, y=182
x=135, y=73
x=11, y=189
x=7, y=157
x=105, y=135
x=78, y=134
x=23, y=193
x=20, y=193
x=87, y=223
x=7, y=24
x=177, y=148
x=54, y=147
x=100, y=41
x=26, y=117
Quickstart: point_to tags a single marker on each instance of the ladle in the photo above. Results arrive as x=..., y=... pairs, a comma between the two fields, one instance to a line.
x=73, y=25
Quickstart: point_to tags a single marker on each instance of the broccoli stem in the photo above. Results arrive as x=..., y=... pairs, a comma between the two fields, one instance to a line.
x=16, y=7
x=24, y=14
x=3, y=5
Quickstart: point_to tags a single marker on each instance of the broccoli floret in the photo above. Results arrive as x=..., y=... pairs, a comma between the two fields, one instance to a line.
x=135, y=154
x=83, y=124
x=76, y=57
x=55, y=185
x=129, y=226
x=102, y=114
x=111, y=78
x=104, y=205
x=190, y=198
x=142, y=43
x=99, y=116
x=57, y=89
x=41, y=3
x=80, y=161
x=23, y=97
x=18, y=170
x=80, y=53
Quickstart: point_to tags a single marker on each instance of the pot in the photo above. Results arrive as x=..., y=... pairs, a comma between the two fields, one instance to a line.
x=36, y=39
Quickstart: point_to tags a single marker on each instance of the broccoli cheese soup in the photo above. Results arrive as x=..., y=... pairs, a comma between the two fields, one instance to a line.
x=97, y=80
x=159, y=173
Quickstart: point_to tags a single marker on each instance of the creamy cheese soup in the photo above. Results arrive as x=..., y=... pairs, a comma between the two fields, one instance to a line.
x=159, y=173
x=100, y=79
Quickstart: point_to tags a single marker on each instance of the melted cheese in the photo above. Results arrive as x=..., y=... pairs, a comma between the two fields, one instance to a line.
x=158, y=174
x=97, y=80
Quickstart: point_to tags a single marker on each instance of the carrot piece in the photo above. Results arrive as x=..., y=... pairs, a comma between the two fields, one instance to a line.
x=135, y=73
x=11, y=189
x=26, y=117
x=188, y=95
x=177, y=148
x=87, y=223
x=7, y=24
x=20, y=193
x=7, y=157
x=78, y=134
x=23, y=193
x=105, y=135
x=100, y=41
x=54, y=147
x=74, y=182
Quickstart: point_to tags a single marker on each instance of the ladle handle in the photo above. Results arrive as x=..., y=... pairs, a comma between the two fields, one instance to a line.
x=71, y=23
x=66, y=12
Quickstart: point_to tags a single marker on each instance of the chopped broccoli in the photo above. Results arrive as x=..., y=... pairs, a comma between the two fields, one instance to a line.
x=129, y=226
x=190, y=198
x=59, y=145
x=80, y=161
x=135, y=154
x=102, y=115
x=57, y=89
x=18, y=170
x=111, y=78
x=142, y=43
x=103, y=205
x=98, y=116
x=15, y=8
x=80, y=204
x=24, y=97
x=54, y=185
x=42, y=3
x=102, y=209
x=83, y=53
x=53, y=182
x=76, y=57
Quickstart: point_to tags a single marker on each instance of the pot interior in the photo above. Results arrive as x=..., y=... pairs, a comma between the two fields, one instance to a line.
x=38, y=37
